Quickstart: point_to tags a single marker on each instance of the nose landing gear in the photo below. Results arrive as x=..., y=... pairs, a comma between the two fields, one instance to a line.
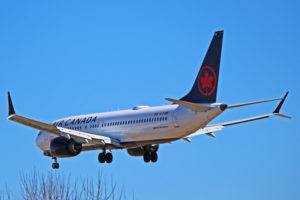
x=55, y=165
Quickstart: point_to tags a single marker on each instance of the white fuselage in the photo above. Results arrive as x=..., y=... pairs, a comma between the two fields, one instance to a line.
x=142, y=123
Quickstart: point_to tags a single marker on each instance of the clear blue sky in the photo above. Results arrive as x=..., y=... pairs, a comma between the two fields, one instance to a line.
x=61, y=58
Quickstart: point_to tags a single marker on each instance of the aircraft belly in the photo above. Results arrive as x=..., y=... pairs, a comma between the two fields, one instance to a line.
x=153, y=132
x=186, y=123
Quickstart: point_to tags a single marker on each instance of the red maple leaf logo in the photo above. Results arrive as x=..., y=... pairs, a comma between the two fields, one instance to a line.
x=206, y=81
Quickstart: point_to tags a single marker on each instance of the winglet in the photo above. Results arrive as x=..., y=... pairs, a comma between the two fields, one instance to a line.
x=276, y=111
x=11, y=110
x=280, y=104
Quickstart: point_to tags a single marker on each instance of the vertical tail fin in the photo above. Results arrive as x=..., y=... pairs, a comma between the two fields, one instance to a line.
x=205, y=86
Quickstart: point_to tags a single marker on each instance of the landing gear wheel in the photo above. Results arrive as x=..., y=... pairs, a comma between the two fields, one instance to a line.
x=153, y=157
x=108, y=157
x=147, y=157
x=55, y=165
x=101, y=157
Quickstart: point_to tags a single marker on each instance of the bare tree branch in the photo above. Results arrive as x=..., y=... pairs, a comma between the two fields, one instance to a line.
x=52, y=186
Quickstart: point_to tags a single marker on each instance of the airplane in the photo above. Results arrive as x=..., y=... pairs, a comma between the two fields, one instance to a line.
x=142, y=129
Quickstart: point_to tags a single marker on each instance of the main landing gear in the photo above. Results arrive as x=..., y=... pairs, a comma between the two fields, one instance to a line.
x=150, y=153
x=55, y=165
x=150, y=156
x=105, y=157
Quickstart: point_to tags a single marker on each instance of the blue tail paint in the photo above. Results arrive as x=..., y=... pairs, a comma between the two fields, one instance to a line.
x=205, y=86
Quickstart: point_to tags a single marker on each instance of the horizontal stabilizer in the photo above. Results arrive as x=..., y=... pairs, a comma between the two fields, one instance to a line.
x=193, y=106
x=282, y=115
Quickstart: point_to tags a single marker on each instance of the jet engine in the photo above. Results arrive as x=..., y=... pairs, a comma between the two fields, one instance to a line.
x=64, y=147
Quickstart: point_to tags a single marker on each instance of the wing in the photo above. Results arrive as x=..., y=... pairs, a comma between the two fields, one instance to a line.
x=209, y=130
x=252, y=103
x=79, y=136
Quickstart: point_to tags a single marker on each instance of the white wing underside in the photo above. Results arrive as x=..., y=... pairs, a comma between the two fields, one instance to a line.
x=209, y=130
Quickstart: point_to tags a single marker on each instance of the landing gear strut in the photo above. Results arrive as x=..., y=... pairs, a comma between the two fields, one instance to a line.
x=55, y=165
x=105, y=157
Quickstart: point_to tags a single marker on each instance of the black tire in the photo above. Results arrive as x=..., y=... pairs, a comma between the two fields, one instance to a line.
x=101, y=157
x=154, y=157
x=55, y=165
x=108, y=157
x=147, y=157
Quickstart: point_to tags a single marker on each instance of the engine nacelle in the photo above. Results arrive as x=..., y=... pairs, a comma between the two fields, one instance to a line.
x=64, y=147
